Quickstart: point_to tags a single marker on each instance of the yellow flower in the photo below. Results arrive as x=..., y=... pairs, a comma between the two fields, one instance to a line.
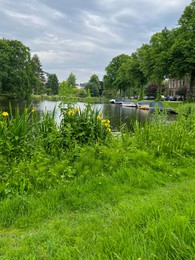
x=99, y=117
x=108, y=129
x=107, y=125
x=33, y=110
x=103, y=121
x=5, y=114
x=71, y=112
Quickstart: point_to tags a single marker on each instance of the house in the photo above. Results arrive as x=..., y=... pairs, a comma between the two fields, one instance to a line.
x=176, y=84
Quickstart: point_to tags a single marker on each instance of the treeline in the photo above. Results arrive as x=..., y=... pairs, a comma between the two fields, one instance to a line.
x=169, y=54
x=22, y=75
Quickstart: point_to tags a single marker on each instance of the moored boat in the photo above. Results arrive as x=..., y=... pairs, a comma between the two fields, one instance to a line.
x=156, y=106
x=143, y=105
x=116, y=101
x=129, y=104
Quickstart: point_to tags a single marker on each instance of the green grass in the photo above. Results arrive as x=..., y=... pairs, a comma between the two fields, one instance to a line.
x=131, y=197
x=144, y=208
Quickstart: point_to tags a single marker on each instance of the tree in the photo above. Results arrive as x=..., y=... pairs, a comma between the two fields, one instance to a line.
x=122, y=80
x=136, y=76
x=110, y=78
x=52, y=84
x=63, y=88
x=161, y=43
x=71, y=81
x=93, y=85
x=182, y=53
x=151, y=89
x=182, y=91
x=16, y=70
x=145, y=58
x=39, y=79
x=154, y=57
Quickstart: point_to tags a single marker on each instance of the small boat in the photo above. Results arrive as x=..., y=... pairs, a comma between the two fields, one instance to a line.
x=156, y=106
x=112, y=101
x=116, y=101
x=171, y=111
x=143, y=105
x=129, y=104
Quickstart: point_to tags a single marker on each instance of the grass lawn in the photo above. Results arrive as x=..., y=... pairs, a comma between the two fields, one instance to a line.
x=143, y=209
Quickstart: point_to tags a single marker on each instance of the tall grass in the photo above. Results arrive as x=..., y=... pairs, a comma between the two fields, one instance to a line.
x=167, y=137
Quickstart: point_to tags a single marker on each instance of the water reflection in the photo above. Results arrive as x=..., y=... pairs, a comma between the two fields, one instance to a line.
x=116, y=113
x=120, y=115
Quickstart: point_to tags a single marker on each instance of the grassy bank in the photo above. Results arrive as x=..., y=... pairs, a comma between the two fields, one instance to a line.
x=73, y=98
x=105, y=197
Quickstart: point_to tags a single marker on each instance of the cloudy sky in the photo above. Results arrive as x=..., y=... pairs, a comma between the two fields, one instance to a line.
x=82, y=36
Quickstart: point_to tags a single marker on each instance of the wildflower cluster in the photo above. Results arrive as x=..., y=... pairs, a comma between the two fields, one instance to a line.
x=104, y=122
x=83, y=126
x=73, y=111
x=100, y=116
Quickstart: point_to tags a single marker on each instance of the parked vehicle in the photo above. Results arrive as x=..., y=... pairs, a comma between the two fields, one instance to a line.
x=172, y=99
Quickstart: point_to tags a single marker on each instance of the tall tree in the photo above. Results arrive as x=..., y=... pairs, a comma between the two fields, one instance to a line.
x=182, y=53
x=16, y=72
x=161, y=43
x=137, y=79
x=110, y=78
x=52, y=84
x=155, y=57
x=39, y=80
x=93, y=85
x=71, y=80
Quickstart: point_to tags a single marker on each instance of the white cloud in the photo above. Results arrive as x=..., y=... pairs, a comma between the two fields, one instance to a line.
x=83, y=36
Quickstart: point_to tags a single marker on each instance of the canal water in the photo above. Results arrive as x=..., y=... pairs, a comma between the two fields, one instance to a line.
x=118, y=115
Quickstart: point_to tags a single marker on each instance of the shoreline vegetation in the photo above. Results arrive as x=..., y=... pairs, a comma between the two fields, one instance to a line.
x=76, y=191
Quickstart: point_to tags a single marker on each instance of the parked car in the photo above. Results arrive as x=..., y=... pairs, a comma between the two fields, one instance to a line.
x=172, y=99
x=180, y=98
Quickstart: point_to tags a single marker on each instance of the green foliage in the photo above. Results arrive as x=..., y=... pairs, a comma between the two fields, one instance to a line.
x=112, y=71
x=170, y=138
x=71, y=81
x=52, y=84
x=182, y=91
x=94, y=90
x=16, y=70
x=25, y=136
x=93, y=85
x=81, y=93
x=81, y=127
x=63, y=89
x=39, y=79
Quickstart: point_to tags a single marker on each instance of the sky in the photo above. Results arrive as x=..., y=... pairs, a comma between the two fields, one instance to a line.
x=83, y=36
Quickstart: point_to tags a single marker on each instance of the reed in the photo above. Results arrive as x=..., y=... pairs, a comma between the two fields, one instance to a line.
x=166, y=137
